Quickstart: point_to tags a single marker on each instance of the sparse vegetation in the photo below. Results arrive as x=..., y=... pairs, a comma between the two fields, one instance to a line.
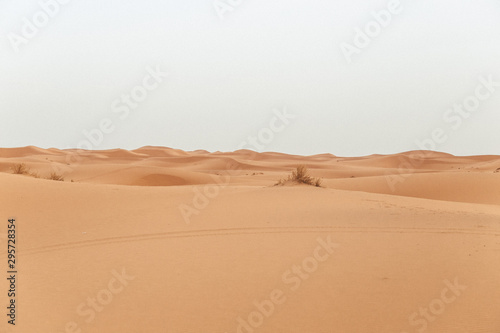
x=317, y=183
x=301, y=176
x=55, y=176
x=34, y=174
x=20, y=169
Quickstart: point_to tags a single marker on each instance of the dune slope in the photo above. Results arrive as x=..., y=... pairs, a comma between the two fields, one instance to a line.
x=220, y=249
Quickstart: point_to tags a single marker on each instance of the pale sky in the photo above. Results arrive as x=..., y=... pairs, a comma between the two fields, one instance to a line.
x=229, y=71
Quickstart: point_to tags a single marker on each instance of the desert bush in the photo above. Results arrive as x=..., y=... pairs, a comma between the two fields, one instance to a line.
x=317, y=183
x=34, y=174
x=300, y=175
x=55, y=176
x=20, y=169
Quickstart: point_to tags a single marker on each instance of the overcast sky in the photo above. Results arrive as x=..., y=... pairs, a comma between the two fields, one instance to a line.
x=232, y=66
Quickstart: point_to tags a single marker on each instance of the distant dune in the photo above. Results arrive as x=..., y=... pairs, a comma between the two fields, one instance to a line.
x=210, y=241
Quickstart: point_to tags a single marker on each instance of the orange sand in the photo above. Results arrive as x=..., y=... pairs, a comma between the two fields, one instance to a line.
x=206, y=235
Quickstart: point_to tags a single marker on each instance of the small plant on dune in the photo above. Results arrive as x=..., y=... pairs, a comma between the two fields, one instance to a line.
x=34, y=174
x=55, y=176
x=317, y=183
x=300, y=175
x=20, y=169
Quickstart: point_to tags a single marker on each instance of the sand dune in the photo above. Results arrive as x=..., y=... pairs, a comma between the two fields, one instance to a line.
x=24, y=151
x=203, y=242
x=450, y=186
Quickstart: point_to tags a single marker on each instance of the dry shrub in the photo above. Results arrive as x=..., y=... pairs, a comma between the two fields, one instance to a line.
x=317, y=183
x=300, y=175
x=55, y=176
x=20, y=169
x=34, y=174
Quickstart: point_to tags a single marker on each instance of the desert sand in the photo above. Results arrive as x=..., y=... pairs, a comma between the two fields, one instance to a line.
x=167, y=241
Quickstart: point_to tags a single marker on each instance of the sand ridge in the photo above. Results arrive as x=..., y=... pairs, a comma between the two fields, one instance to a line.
x=203, y=240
